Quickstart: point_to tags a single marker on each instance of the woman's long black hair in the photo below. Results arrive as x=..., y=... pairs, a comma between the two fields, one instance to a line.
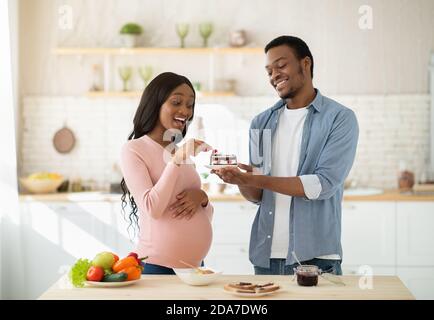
x=145, y=119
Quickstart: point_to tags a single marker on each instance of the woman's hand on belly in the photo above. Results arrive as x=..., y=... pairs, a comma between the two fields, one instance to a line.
x=187, y=203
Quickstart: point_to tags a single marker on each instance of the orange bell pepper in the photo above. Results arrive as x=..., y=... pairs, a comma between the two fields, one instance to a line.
x=125, y=263
x=133, y=272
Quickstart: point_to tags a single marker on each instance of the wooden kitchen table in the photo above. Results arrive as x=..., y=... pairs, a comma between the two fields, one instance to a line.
x=168, y=287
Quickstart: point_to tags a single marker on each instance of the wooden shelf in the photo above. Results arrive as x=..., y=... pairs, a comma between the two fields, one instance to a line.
x=109, y=54
x=114, y=94
x=135, y=94
x=215, y=94
x=143, y=50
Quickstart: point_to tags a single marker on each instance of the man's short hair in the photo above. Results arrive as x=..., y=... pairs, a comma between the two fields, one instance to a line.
x=299, y=47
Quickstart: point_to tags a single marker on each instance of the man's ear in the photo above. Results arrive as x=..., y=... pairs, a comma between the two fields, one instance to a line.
x=307, y=62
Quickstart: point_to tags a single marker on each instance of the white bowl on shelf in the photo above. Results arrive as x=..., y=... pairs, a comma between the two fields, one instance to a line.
x=192, y=277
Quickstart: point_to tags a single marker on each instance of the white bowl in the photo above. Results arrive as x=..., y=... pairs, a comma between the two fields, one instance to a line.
x=41, y=185
x=193, y=278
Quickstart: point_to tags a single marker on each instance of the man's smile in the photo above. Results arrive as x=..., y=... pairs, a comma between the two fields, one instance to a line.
x=280, y=84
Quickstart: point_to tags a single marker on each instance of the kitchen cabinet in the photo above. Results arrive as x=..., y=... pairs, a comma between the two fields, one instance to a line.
x=232, y=222
x=378, y=237
x=415, y=225
x=230, y=258
x=109, y=53
x=365, y=270
x=55, y=235
x=383, y=238
x=415, y=247
x=79, y=229
x=368, y=233
x=126, y=237
x=419, y=280
x=391, y=238
x=84, y=227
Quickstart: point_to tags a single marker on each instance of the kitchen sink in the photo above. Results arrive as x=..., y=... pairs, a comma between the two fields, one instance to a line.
x=362, y=191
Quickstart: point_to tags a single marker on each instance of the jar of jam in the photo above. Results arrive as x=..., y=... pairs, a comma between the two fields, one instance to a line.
x=406, y=180
x=307, y=275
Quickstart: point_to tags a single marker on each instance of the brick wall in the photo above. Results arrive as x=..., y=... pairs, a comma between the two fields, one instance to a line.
x=392, y=128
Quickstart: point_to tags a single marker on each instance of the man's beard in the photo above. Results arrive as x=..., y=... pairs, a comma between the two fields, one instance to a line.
x=292, y=93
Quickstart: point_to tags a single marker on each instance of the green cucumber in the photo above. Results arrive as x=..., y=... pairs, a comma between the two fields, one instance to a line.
x=115, y=277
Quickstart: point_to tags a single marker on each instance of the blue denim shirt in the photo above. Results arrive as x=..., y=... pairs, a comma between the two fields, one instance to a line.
x=328, y=148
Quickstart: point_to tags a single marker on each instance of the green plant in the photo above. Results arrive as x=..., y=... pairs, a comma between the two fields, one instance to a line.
x=131, y=28
x=204, y=175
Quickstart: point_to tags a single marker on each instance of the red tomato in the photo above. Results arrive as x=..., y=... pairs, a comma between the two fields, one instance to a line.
x=135, y=255
x=116, y=257
x=95, y=274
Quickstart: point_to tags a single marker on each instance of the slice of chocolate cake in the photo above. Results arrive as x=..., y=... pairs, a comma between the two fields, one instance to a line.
x=223, y=159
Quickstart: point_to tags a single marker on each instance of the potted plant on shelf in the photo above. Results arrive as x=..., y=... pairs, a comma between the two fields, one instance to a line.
x=129, y=34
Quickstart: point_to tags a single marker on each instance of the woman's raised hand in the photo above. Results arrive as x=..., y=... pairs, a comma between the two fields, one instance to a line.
x=191, y=147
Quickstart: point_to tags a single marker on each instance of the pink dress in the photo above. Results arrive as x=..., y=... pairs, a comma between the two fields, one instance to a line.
x=154, y=186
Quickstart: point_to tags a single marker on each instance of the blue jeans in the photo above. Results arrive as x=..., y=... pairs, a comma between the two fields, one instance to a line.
x=278, y=267
x=149, y=268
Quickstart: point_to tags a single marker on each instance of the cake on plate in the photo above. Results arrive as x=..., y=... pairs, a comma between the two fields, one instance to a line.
x=223, y=159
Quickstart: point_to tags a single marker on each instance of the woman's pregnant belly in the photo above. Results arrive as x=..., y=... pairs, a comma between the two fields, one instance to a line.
x=181, y=239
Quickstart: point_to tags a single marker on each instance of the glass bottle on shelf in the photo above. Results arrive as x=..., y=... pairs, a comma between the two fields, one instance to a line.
x=182, y=31
x=76, y=185
x=96, y=78
x=146, y=74
x=125, y=73
x=205, y=30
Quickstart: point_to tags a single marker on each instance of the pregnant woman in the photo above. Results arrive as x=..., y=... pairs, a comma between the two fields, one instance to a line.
x=167, y=204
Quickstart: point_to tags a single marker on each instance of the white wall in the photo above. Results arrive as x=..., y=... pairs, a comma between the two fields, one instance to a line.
x=432, y=113
x=392, y=57
x=10, y=247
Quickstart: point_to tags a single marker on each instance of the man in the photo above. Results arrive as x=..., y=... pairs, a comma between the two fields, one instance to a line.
x=301, y=151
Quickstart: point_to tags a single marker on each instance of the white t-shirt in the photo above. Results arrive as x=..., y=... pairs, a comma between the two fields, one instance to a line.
x=285, y=161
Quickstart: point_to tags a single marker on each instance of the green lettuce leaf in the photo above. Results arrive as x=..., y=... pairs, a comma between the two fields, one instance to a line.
x=77, y=274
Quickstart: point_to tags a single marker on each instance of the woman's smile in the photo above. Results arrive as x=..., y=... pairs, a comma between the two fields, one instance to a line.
x=180, y=121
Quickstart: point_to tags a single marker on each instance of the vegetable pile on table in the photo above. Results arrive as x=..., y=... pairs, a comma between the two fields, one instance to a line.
x=106, y=267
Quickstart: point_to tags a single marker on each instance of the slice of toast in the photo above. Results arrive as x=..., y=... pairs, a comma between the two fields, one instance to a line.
x=247, y=287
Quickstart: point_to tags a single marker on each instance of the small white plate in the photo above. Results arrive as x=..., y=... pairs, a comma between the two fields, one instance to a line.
x=219, y=166
x=252, y=295
x=111, y=284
